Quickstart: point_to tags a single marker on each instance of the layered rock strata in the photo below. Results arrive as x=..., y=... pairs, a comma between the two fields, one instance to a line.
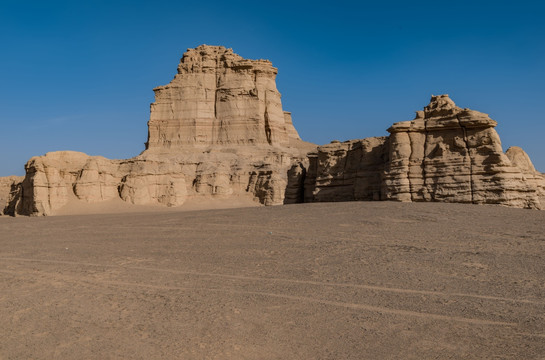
x=290, y=129
x=9, y=187
x=346, y=171
x=219, y=98
x=445, y=154
x=520, y=159
x=216, y=131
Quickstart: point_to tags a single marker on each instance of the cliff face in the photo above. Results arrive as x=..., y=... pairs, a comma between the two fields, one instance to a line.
x=346, y=171
x=216, y=131
x=446, y=154
x=9, y=187
x=218, y=98
x=520, y=159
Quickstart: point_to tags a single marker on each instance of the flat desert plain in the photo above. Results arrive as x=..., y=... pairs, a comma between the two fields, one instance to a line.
x=356, y=280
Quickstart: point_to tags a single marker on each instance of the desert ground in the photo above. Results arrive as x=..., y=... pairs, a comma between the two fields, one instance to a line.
x=355, y=280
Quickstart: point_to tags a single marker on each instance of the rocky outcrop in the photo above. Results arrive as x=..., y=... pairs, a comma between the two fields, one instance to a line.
x=9, y=186
x=445, y=154
x=346, y=171
x=290, y=129
x=216, y=131
x=520, y=159
x=219, y=98
x=451, y=154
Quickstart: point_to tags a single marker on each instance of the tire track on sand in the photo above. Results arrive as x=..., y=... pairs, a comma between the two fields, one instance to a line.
x=291, y=281
x=357, y=306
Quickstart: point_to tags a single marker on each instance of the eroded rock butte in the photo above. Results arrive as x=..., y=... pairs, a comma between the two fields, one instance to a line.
x=445, y=154
x=218, y=130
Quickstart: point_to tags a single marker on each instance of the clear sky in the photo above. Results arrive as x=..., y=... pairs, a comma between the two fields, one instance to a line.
x=78, y=75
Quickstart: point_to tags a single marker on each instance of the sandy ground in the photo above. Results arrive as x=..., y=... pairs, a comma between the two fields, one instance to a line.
x=78, y=207
x=359, y=280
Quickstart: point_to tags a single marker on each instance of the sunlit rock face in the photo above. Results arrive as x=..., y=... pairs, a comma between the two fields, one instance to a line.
x=345, y=171
x=445, y=154
x=219, y=98
x=217, y=130
x=520, y=159
x=9, y=186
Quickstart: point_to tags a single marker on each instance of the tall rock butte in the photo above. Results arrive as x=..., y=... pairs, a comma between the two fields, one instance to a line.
x=217, y=130
x=218, y=98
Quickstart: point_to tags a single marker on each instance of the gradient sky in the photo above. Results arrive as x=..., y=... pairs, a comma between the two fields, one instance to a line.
x=78, y=75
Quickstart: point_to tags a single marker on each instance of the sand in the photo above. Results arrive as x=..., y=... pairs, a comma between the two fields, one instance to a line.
x=115, y=206
x=358, y=280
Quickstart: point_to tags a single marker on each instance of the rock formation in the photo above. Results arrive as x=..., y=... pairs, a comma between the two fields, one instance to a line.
x=9, y=187
x=520, y=159
x=217, y=130
x=219, y=98
x=346, y=171
x=290, y=129
x=445, y=154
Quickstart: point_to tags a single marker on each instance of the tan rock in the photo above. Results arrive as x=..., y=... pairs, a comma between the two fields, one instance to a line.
x=216, y=131
x=9, y=186
x=218, y=98
x=520, y=159
x=98, y=180
x=445, y=154
x=295, y=188
x=57, y=177
x=346, y=171
x=290, y=129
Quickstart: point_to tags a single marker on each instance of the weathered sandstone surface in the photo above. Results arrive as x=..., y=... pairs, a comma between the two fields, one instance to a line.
x=216, y=131
x=219, y=98
x=520, y=159
x=9, y=186
x=445, y=154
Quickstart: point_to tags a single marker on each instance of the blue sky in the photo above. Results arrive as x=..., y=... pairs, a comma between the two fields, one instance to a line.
x=78, y=75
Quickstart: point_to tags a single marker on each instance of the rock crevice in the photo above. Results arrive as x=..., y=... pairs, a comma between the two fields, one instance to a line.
x=468, y=157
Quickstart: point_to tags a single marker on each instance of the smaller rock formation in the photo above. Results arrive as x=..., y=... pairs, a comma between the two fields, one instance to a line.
x=290, y=129
x=446, y=154
x=9, y=186
x=521, y=160
x=346, y=171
